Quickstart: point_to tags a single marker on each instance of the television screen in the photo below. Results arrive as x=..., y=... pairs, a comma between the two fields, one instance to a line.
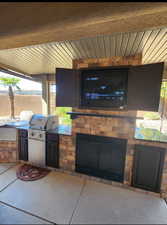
x=104, y=88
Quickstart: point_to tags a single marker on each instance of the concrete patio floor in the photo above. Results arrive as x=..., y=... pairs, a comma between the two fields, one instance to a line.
x=65, y=199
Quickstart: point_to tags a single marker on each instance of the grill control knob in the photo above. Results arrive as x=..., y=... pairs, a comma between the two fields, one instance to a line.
x=32, y=134
x=40, y=135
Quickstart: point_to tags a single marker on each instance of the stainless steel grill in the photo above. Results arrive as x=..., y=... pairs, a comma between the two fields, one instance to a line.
x=39, y=124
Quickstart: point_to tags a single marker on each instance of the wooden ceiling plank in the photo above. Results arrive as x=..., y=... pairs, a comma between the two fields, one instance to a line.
x=160, y=46
x=54, y=54
x=125, y=44
x=118, y=44
x=71, y=50
x=74, y=47
x=156, y=41
x=58, y=51
x=112, y=46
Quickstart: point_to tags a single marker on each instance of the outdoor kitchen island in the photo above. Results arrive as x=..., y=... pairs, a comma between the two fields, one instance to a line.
x=64, y=151
x=15, y=133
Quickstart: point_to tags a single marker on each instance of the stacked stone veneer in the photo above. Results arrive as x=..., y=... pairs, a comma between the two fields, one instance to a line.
x=111, y=127
x=8, y=151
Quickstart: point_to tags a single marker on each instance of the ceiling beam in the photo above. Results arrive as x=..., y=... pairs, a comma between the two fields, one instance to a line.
x=10, y=72
x=24, y=23
x=47, y=77
x=8, y=67
x=19, y=73
x=13, y=71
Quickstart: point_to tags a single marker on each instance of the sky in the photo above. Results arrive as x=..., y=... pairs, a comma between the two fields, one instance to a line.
x=24, y=84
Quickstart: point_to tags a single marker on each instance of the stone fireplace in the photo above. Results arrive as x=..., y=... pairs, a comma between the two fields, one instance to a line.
x=101, y=156
x=109, y=127
x=122, y=128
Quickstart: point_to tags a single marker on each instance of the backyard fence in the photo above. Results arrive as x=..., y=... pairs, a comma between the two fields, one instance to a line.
x=22, y=103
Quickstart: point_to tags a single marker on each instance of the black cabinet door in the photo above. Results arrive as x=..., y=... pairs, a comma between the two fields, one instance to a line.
x=101, y=156
x=87, y=156
x=67, y=87
x=23, y=145
x=112, y=159
x=148, y=165
x=144, y=84
x=52, y=151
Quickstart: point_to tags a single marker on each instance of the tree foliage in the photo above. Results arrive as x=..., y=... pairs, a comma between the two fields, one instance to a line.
x=11, y=83
x=164, y=90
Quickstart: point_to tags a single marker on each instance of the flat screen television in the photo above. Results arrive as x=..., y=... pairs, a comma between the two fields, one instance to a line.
x=104, y=88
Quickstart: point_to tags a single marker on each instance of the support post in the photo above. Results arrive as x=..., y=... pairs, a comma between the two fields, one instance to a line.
x=45, y=96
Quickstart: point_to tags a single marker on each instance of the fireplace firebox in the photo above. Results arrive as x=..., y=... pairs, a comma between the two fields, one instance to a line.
x=101, y=156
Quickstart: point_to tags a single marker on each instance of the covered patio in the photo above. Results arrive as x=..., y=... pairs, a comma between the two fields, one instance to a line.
x=78, y=36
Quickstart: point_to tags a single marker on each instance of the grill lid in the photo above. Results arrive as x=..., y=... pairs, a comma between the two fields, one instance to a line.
x=41, y=122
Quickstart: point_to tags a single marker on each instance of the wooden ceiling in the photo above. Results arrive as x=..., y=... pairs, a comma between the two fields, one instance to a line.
x=32, y=23
x=37, y=37
x=44, y=58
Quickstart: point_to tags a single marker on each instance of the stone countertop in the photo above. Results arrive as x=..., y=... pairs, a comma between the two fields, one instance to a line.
x=8, y=130
x=61, y=130
x=15, y=124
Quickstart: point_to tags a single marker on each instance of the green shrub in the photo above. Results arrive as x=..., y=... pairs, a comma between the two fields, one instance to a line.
x=63, y=117
x=150, y=134
x=152, y=116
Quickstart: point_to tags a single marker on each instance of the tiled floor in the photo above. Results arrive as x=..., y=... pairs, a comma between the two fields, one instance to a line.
x=65, y=199
x=5, y=166
x=9, y=215
x=8, y=176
